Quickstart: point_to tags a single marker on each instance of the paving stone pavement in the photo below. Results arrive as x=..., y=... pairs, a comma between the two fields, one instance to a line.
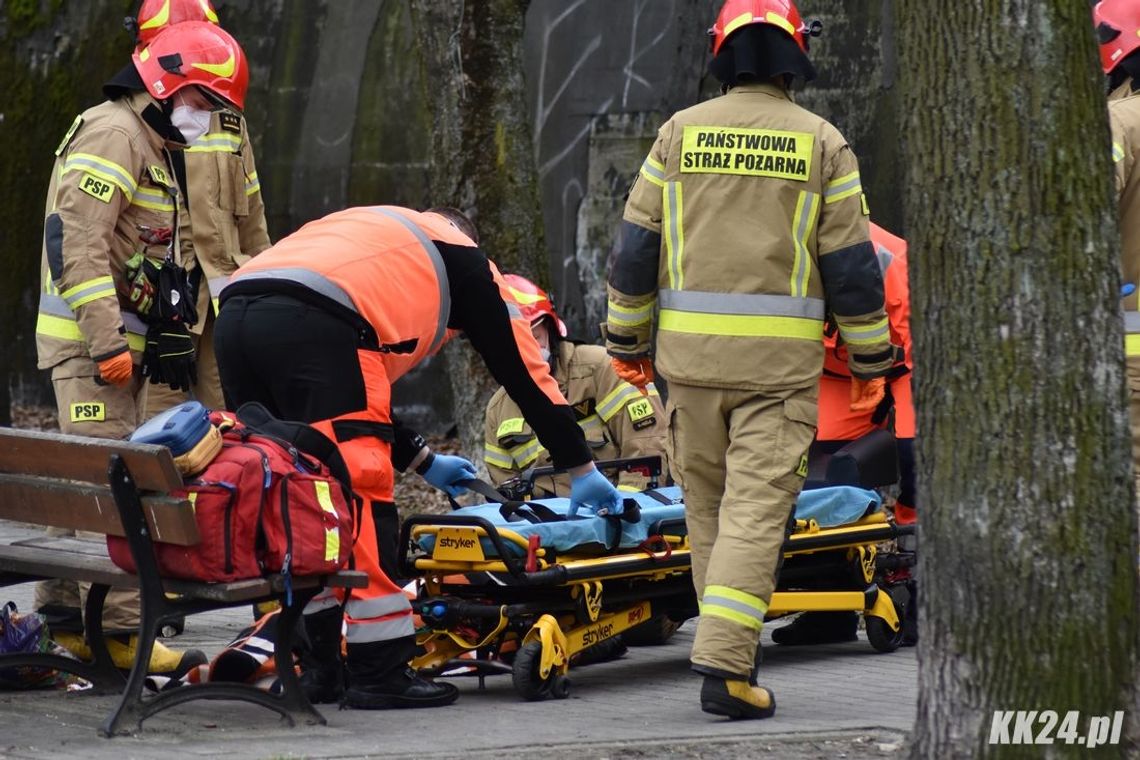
x=833, y=701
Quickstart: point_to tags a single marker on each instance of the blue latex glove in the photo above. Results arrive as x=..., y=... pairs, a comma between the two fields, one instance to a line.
x=444, y=471
x=594, y=492
x=1127, y=289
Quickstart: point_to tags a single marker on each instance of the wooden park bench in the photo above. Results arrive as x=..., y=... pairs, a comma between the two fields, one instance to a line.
x=123, y=489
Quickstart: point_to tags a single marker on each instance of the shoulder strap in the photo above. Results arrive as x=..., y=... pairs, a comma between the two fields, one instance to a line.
x=306, y=438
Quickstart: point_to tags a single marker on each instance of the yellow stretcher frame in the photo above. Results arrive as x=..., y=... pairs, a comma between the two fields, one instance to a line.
x=561, y=635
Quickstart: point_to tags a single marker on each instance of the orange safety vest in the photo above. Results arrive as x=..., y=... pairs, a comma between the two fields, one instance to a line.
x=379, y=262
x=891, y=251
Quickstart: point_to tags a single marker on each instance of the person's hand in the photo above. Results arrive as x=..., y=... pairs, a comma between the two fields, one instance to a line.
x=595, y=492
x=444, y=471
x=866, y=394
x=117, y=370
x=169, y=356
x=637, y=372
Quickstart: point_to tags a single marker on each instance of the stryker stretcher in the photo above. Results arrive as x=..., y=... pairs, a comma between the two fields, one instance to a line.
x=521, y=578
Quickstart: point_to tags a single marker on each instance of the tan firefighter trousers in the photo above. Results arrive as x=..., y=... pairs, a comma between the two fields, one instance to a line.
x=741, y=458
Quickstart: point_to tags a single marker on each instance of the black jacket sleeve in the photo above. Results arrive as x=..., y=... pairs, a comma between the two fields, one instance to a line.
x=478, y=310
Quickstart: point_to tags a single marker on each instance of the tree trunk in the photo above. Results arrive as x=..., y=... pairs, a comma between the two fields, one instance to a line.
x=1028, y=562
x=482, y=158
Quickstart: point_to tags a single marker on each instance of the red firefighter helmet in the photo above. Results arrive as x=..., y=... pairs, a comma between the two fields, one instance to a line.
x=156, y=15
x=1117, y=25
x=533, y=301
x=194, y=53
x=735, y=14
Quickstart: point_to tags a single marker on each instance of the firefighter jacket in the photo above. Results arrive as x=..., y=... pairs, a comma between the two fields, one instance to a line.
x=408, y=282
x=617, y=420
x=226, y=222
x=746, y=223
x=891, y=253
x=111, y=186
x=1124, y=118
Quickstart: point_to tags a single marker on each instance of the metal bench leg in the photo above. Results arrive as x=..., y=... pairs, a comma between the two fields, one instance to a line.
x=295, y=704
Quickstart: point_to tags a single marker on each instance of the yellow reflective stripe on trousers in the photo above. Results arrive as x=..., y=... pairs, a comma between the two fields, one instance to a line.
x=88, y=291
x=626, y=316
x=616, y=399
x=1131, y=333
x=674, y=234
x=332, y=534
x=748, y=315
x=735, y=605
x=216, y=142
x=1117, y=152
x=803, y=222
x=653, y=171
x=843, y=187
x=155, y=200
x=103, y=169
x=252, y=184
x=498, y=457
x=863, y=336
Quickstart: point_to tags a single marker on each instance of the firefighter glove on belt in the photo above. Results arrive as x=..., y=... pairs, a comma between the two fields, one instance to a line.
x=444, y=471
x=866, y=394
x=169, y=356
x=594, y=492
x=117, y=370
x=638, y=372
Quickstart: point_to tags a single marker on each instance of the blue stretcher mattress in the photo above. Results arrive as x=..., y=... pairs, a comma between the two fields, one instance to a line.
x=830, y=507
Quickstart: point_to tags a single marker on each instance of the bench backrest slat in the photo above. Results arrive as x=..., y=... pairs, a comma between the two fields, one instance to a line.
x=84, y=459
x=81, y=506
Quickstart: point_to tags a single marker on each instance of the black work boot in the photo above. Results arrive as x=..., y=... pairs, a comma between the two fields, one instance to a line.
x=322, y=672
x=379, y=678
x=605, y=650
x=818, y=628
x=910, y=616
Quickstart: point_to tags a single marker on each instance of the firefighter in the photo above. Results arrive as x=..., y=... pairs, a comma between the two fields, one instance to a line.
x=317, y=328
x=839, y=425
x=1118, y=31
x=110, y=234
x=747, y=217
x=617, y=420
x=225, y=218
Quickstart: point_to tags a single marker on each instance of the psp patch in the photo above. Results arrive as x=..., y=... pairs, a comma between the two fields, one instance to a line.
x=230, y=122
x=802, y=470
x=159, y=175
x=640, y=413
x=747, y=152
x=89, y=411
x=509, y=427
x=97, y=188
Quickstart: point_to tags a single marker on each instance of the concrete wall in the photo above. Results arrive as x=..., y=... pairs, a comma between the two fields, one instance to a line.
x=340, y=114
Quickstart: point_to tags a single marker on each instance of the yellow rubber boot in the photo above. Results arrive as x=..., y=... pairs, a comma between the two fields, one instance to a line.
x=163, y=660
x=738, y=700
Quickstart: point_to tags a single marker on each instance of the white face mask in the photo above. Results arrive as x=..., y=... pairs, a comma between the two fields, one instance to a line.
x=191, y=122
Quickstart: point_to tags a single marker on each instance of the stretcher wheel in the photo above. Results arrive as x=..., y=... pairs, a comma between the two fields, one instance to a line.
x=560, y=687
x=882, y=638
x=525, y=675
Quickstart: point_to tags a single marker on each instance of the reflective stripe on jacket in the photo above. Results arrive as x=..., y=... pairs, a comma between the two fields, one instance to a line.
x=111, y=182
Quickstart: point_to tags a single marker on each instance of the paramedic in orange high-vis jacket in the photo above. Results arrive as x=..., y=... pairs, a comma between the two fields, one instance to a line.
x=317, y=328
x=839, y=425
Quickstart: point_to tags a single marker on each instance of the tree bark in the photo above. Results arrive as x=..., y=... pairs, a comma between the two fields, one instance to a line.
x=1028, y=528
x=482, y=158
